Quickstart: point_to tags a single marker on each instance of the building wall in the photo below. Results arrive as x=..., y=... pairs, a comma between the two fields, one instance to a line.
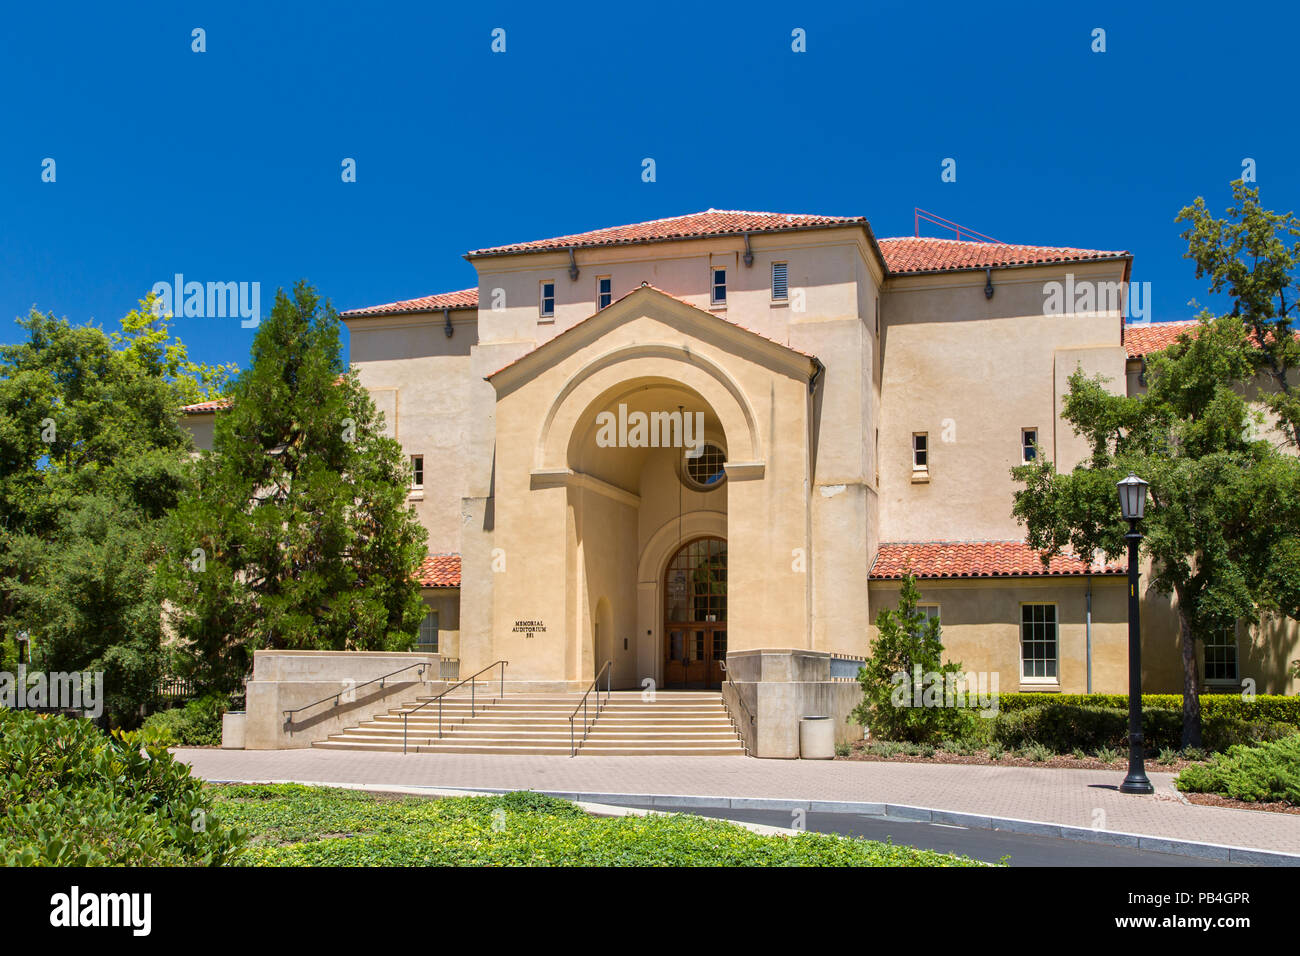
x=422, y=382
x=446, y=601
x=980, y=622
x=972, y=372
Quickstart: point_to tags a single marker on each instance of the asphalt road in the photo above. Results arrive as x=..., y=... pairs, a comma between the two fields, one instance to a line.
x=989, y=845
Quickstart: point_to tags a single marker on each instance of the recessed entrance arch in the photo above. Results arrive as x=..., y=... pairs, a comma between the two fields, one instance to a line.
x=695, y=614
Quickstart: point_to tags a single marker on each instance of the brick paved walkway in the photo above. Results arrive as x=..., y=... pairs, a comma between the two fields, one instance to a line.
x=1081, y=798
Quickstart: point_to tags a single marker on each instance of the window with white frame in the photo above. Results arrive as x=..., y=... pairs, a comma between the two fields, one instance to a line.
x=428, y=639
x=780, y=281
x=1038, y=644
x=1221, y=655
x=417, y=471
x=1028, y=444
x=920, y=451
x=929, y=612
x=546, y=307
x=604, y=291
x=719, y=286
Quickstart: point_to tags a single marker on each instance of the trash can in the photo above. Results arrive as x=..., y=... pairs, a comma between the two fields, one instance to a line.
x=232, y=729
x=816, y=738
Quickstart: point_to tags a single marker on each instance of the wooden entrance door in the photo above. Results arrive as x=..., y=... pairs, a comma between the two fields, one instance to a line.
x=695, y=615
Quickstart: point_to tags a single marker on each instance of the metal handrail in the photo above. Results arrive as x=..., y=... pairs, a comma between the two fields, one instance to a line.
x=607, y=670
x=741, y=701
x=347, y=690
x=460, y=683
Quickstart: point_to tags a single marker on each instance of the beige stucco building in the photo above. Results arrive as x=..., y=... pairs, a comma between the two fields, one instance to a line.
x=858, y=405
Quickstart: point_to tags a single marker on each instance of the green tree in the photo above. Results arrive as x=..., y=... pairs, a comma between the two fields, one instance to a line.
x=296, y=532
x=91, y=459
x=906, y=668
x=146, y=340
x=1222, y=527
x=1252, y=256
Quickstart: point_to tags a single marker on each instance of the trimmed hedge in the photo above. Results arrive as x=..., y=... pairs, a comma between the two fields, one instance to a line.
x=72, y=796
x=1267, y=707
x=1270, y=771
x=1064, y=726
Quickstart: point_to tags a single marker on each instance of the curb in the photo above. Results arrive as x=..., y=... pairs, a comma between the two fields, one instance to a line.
x=1134, y=841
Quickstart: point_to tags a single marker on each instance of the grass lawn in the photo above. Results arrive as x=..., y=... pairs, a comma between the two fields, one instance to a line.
x=293, y=825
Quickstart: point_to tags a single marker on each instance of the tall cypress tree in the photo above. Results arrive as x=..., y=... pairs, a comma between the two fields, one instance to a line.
x=296, y=533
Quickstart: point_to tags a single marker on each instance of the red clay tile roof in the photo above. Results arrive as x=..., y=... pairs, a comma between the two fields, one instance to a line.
x=908, y=255
x=902, y=256
x=464, y=299
x=712, y=222
x=1147, y=337
x=439, y=571
x=975, y=559
x=205, y=408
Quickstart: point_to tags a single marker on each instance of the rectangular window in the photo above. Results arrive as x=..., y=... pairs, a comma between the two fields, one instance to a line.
x=1028, y=439
x=877, y=316
x=604, y=291
x=931, y=611
x=920, y=451
x=546, y=308
x=1221, y=655
x=1038, y=643
x=417, y=471
x=719, y=286
x=780, y=281
x=428, y=640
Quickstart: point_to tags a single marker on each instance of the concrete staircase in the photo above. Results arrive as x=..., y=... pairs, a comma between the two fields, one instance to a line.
x=677, y=723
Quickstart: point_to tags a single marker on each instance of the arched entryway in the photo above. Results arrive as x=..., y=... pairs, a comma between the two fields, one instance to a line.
x=695, y=615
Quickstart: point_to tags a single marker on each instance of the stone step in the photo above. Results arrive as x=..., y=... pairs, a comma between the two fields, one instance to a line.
x=675, y=723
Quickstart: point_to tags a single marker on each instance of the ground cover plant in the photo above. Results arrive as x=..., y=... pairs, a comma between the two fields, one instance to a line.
x=295, y=825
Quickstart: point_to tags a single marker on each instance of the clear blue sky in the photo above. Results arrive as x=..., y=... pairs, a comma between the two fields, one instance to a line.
x=225, y=165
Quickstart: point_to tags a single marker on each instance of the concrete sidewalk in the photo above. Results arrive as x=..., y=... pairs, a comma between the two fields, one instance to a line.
x=1071, y=798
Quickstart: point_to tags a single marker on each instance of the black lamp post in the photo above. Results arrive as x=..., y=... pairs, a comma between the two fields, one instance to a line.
x=1133, y=503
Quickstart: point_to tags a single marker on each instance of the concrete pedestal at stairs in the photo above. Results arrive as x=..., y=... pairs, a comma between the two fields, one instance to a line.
x=780, y=686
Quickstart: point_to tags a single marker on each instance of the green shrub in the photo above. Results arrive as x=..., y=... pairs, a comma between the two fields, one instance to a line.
x=197, y=724
x=1265, y=772
x=905, y=677
x=1037, y=753
x=1063, y=726
x=843, y=750
x=1108, y=754
x=71, y=796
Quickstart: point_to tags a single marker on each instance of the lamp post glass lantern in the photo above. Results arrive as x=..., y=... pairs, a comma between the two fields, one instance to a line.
x=1133, y=503
x=1132, y=497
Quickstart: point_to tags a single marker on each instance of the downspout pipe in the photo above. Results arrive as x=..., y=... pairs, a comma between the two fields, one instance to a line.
x=1087, y=629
